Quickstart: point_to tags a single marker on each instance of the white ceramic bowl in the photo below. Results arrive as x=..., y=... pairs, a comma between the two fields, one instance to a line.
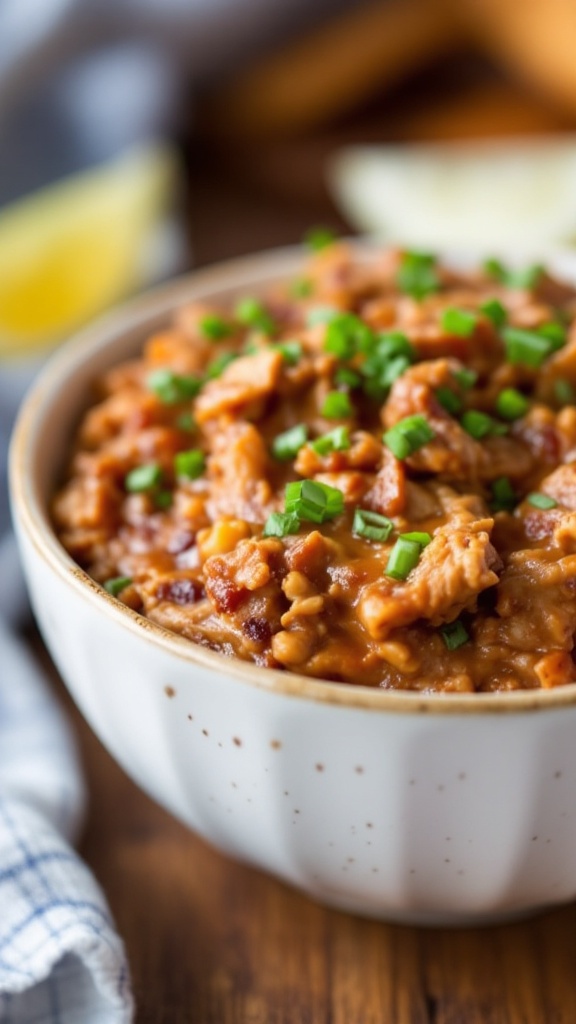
x=432, y=809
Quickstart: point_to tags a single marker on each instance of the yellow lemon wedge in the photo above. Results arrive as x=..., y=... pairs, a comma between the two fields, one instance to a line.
x=75, y=247
x=468, y=196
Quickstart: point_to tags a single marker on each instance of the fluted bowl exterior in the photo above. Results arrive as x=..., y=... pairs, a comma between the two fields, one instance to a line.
x=440, y=809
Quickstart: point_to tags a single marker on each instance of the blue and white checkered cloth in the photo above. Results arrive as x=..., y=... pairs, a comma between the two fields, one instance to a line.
x=61, y=960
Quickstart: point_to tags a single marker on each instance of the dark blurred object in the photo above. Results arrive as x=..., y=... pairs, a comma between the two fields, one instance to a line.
x=334, y=68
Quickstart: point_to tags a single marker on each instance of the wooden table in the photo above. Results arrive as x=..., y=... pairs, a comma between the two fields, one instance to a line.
x=211, y=941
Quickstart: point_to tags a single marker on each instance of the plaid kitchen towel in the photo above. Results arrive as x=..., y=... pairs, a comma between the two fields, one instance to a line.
x=61, y=960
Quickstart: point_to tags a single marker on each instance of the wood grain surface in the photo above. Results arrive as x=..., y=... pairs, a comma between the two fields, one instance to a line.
x=211, y=941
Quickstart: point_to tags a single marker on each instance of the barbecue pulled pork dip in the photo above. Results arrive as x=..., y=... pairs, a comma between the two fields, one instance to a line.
x=368, y=475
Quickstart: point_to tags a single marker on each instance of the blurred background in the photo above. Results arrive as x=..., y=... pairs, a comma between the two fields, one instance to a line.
x=141, y=138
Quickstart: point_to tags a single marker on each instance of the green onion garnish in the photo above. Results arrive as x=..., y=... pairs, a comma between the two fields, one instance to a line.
x=404, y=557
x=480, y=424
x=217, y=366
x=321, y=315
x=420, y=537
x=449, y=401
x=280, y=524
x=371, y=525
x=394, y=343
x=171, y=387
x=336, y=406
x=526, y=277
x=394, y=369
x=458, y=321
x=143, y=478
x=319, y=238
x=291, y=351
x=564, y=392
x=347, y=377
x=454, y=634
x=465, y=378
x=214, y=327
x=388, y=359
x=313, y=501
x=408, y=435
x=190, y=464
x=529, y=348
x=511, y=404
x=555, y=332
x=117, y=584
x=539, y=500
x=287, y=445
x=346, y=334
x=495, y=312
x=301, y=288
x=417, y=275
x=337, y=440
x=503, y=496
x=251, y=313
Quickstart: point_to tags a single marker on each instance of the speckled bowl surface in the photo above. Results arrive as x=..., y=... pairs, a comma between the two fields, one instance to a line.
x=439, y=809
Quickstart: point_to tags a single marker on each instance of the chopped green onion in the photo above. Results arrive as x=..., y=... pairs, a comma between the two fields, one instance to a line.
x=394, y=343
x=319, y=238
x=346, y=334
x=190, y=464
x=393, y=370
x=291, y=351
x=280, y=524
x=214, y=327
x=336, y=406
x=495, y=312
x=171, y=387
x=465, y=378
x=458, y=321
x=301, y=288
x=524, y=278
x=217, y=366
x=404, y=557
x=117, y=584
x=337, y=440
x=313, y=501
x=371, y=525
x=387, y=360
x=539, y=500
x=454, y=634
x=163, y=499
x=555, y=333
x=321, y=315
x=480, y=424
x=185, y=422
x=564, y=392
x=529, y=348
x=143, y=478
x=511, y=404
x=417, y=275
x=449, y=401
x=421, y=538
x=503, y=495
x=287, y=445
x=251, y=313
x=348, y=378
x=408, y=435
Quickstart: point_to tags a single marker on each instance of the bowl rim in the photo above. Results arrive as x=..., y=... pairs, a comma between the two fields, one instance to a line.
x=254, y=271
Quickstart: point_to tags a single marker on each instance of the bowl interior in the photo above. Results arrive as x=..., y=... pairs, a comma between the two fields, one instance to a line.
x=46, y=426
